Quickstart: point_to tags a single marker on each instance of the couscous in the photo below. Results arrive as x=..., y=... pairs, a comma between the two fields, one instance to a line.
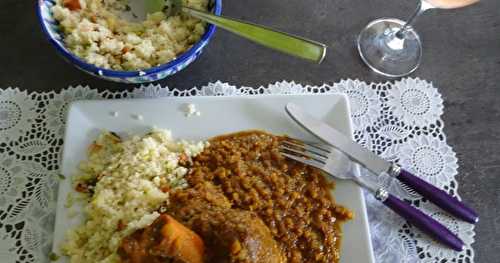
x=95, y=32
x=125, y=184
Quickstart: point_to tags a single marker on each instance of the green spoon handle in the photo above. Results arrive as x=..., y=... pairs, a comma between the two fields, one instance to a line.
x=286, y=43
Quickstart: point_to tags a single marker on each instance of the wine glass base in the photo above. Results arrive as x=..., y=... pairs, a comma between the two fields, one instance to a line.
x=387, y=54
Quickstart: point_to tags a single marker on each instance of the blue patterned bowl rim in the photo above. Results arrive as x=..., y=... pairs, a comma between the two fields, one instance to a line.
x=126, y=74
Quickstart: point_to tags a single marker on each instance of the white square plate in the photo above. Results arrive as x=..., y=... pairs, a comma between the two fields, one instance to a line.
x=219, y=115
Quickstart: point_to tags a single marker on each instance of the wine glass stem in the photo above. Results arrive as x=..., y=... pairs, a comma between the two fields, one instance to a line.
x=422, y=7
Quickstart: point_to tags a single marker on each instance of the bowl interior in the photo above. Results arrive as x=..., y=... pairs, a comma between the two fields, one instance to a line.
x=55, y=35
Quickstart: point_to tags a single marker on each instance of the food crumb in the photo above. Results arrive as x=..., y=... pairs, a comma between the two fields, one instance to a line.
x=191, y=110
x=53, y=256
x=72, y=214
x=137, y=117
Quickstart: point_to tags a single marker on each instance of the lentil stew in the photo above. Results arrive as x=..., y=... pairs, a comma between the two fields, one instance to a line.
x=293, y=200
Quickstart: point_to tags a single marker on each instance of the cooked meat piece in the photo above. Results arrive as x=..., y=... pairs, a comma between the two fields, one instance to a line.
x=184, y=204
x=164, y=240
x=230, y=235
x=236, y=236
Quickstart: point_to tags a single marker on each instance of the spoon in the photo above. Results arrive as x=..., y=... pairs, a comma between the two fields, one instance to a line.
x=293, y=45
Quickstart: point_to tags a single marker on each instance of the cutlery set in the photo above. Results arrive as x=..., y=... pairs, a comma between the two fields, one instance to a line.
x=338, y=157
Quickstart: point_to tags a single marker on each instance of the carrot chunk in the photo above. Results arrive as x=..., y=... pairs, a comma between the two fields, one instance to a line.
x=73, y=5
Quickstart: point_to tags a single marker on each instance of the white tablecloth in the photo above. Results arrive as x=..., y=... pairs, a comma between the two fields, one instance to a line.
x=400, y=121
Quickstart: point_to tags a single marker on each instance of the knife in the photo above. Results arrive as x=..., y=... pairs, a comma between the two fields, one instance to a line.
x=379, y=166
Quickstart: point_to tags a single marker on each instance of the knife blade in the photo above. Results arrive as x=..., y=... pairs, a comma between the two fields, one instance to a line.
x=338, y=140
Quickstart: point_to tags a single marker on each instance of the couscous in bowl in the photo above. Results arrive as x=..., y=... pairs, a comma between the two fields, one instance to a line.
x=57, y=36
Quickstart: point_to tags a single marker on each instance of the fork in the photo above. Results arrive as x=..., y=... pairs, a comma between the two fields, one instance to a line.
x=336, y=164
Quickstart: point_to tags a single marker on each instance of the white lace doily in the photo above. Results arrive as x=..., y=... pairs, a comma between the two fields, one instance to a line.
x=401, y=121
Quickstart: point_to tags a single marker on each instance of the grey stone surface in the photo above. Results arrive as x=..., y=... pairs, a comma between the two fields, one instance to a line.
x=461, y=57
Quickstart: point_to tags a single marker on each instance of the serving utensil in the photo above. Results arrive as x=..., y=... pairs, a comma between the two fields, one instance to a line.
x=287, y=43
x=336, y=164
x=379, y=166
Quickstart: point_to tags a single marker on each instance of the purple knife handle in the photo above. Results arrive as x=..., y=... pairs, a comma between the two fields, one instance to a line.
x=423, y=222
x=439, y=197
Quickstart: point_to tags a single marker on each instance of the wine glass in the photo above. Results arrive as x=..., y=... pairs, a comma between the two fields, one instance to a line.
x=392, y=47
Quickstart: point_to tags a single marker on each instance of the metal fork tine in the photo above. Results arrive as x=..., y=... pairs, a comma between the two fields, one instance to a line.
x=322, y=147
x=306, y=146
x=310, y=162
x=305, y=153
x=315, y=146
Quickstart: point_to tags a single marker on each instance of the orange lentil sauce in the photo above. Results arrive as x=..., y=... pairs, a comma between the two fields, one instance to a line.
x=292, y=199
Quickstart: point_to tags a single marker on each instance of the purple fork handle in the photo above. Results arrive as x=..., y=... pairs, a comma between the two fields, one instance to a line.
x=424, y=222
x=439, y=197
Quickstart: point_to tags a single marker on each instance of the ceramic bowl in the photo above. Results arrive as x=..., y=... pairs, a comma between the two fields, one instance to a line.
x=54, y=34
